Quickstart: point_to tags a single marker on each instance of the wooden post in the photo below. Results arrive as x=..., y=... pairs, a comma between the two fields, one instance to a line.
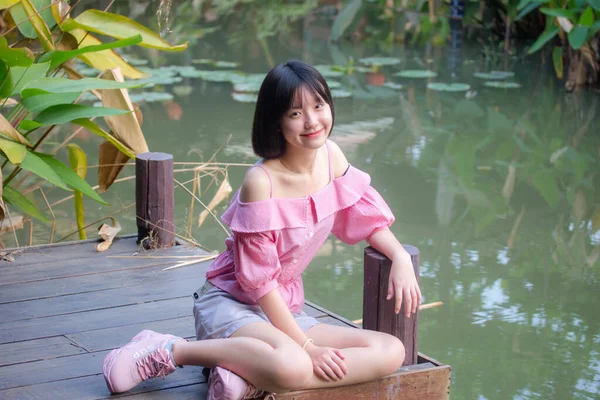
x=155, y=200
x=378, y=313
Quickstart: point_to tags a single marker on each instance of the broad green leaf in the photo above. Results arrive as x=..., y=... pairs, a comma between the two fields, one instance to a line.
x=9, y=132
x=557, y=60
x=27, y=125
x=345, y=18
x=105, y=59
x=35, y=18
x=502, y=85
x=63, y=113
x=380, y=61
x=6, y=82
x=587, y=18
x=94, y=128
x=23, y=76
x=595, y=28
x=578, y=36
x=63, y=85
x=559, y=12
x=70, y=177
x=546, y=185
x=15, y=198
x=493, y=75
x=543, y=39
x=448, y=87
x=43, y=101
x=416, y=73
x=58, y=57
x=7, y=3
x=78, y=161
x=527, y=9
x=20, y=57
x=118, y=26
x=15, y=152
x=33, y=163
x=595, y=4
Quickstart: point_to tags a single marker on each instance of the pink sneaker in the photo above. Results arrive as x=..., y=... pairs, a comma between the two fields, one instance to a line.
x=143, y=358
x=225, y=385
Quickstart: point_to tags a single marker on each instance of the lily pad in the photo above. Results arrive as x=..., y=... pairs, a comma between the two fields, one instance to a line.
x=328, y=71
x=392, y=85
x=217, y=64
x=364, y=70
x=448, y=87
x=251, y=87
x=245, y=97
x=333, y=84
x=136, y=61
x=183, y=90
x=494, y=75
x=380, y=61
x=248, y=78
x=340, y=93
x=502, y=85
x=416, y=73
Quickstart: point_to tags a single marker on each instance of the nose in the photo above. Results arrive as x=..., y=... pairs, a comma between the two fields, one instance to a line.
x=310, y=120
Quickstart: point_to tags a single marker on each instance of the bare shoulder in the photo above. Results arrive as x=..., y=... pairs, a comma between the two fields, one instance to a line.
x=256, y=186
x=339, y=162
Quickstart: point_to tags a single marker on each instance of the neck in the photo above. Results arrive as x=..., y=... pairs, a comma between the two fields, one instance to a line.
x=299, y=161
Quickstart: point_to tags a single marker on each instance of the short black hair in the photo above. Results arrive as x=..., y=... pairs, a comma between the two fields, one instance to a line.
x=276, y=96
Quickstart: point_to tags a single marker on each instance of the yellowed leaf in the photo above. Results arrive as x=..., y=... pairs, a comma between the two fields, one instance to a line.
x=125, y=127
x=7, y=3
x=111, y=163
x=8, y=131
x=10, y=102
x=60, y=11
x=105, y=59
x=39, y=25
x=103, y=246
x=509, y=184
x=78, y=161
x=15, y=152
x=222, y=193
x=579, y=205
x=108, y=233
x=12, y=224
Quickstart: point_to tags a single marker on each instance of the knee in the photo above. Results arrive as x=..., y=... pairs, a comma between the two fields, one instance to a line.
x=293, y=370
x=394, y=352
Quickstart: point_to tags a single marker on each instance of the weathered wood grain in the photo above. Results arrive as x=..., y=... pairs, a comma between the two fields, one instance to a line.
x=37, y=349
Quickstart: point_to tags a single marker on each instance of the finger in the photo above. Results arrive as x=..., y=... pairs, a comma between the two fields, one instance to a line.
x=390, y=291
x=335, y=368
x=398, y=300
x=321, y=374
x=419, y=294
x=407, y=303
x=340, y=363
x=329, y=372
x=415, y=299
x=339, y=353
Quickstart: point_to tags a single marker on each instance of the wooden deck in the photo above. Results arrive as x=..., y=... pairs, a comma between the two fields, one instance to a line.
x=64, y=307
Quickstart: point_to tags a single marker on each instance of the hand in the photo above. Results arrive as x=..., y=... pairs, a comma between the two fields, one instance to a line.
x=403, y=284
x=328, y=363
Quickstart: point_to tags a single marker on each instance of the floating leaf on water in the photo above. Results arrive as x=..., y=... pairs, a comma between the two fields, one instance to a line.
x=136, y=61
x=502, y=85
x=182, y=90
x=340, y=93
x=393, y=85
x=416, y=73
x=494, y=75
x=333, y=84
x=251, y=87
x=245, y=97
x=146, y=97
x=226, y=64
x=203, y=61
x=380, y=61
x=448, y=87
x=248, y=78
x=328, y=71
x=364, y=70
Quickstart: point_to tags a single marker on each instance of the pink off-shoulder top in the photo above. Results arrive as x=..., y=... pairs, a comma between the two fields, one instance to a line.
x=273, y=240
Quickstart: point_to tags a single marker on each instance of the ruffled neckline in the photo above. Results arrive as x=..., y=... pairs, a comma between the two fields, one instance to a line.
x=278, y=213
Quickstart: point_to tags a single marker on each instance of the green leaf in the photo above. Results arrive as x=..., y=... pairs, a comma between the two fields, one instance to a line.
x=15, y=198
x=595, y=4
x=577, y=36
x=344, y=19
x=5, y=80
x=22, y=76
x=33, y=163
x=43, y=101
x=27, y=125
x=15, y=57
x=7, y=3
x=78, y=161
x=595, y=28
x=448, y=87
x=559, y=12
x=527, y=9
x=63, y=113
x=58, y=57
x=70, y=178
x=15, y=152
x=416, y=73
x=543, y=39
x=557, y=60
x=63, y=85
x=35, y=14
x=546, y=185
x=118, y=26
x=587, y=18
x=94, y=128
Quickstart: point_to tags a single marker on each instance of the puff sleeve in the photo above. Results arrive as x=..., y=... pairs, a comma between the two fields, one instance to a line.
x=363, y=218
x=256, y=263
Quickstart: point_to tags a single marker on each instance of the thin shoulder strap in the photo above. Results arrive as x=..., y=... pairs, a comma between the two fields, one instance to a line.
x=268, y=176
x=329, y=158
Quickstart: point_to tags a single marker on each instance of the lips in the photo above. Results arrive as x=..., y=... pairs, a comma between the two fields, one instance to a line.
x=313, y=135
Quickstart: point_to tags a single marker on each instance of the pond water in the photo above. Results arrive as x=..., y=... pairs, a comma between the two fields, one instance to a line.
x=496, y=187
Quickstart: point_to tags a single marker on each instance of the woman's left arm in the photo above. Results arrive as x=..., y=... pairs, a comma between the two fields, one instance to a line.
x=402, y=282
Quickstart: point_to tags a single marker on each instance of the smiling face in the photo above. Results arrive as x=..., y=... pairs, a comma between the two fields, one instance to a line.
x=308, y=122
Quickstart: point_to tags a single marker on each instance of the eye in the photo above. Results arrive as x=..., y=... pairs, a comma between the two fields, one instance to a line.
x=294, y=114
x=319, y=105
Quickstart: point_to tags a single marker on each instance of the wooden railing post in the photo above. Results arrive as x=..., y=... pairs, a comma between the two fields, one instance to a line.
x=155, y=199
x=378, y=312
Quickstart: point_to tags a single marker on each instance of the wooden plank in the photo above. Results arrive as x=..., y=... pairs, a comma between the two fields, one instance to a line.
x=91, y=265
x=343, y=321
x=93, y=387
x=38, y=349
x=98, y=319
x=91, y=283
x=191, y=392
x=422, y=384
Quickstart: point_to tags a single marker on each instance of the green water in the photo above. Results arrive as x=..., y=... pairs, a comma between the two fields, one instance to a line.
x=517, y=270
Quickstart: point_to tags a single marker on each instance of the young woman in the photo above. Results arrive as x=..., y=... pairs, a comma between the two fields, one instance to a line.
x=250, y=327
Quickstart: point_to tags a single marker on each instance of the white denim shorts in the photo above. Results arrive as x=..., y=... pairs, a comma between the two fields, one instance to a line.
x=218, y=314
